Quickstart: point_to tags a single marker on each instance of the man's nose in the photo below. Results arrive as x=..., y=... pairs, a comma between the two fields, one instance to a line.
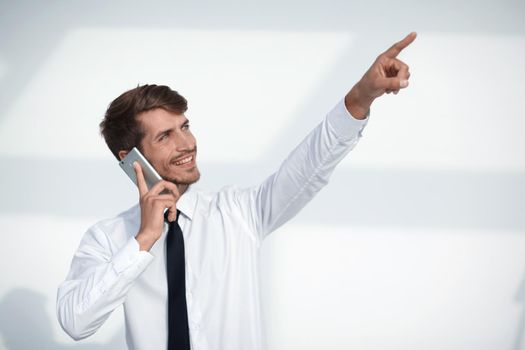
x=185, y=142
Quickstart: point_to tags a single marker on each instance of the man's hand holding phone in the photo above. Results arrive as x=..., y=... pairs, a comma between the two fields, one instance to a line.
x=152, y=208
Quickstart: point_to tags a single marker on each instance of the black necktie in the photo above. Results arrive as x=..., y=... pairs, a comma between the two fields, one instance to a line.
x=178, y=332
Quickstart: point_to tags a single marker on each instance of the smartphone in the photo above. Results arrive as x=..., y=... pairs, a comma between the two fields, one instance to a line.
x=150, y=174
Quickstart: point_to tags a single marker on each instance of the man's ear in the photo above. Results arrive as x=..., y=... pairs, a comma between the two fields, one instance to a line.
x=122, y=154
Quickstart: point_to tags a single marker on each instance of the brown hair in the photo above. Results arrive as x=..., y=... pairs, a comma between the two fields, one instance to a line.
x=120, y=127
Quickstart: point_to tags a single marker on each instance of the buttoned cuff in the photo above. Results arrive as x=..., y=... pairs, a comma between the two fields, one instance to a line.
x=343, y=124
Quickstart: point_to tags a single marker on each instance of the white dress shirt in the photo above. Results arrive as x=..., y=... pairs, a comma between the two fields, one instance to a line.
x=223, y=232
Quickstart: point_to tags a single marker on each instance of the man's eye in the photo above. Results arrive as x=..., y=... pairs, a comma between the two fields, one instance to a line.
x=186, y=126
x=163, y=137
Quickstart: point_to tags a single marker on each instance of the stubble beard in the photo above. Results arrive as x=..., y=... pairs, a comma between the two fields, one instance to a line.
x=186, y=180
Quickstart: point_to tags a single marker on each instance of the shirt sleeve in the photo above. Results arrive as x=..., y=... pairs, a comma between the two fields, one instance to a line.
x=305, y=171
x=99, y=278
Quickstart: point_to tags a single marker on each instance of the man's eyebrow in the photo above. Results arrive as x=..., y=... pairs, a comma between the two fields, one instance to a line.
x=166, y=131
x=162, y=132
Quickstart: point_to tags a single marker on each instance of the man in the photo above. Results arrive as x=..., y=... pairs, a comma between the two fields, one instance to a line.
x=189, y=278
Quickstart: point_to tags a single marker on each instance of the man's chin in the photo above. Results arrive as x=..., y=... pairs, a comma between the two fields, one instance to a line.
x=186, y=180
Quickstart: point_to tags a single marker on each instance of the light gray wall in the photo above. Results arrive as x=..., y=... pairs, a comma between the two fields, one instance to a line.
x=418, y=242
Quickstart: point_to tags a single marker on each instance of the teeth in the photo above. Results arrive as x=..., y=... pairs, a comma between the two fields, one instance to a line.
x=184, y=161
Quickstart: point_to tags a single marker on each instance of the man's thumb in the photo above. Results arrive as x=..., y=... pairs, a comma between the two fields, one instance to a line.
x=392, y=83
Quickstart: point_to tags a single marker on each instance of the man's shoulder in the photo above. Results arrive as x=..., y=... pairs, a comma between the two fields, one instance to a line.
x=227, y=198
x=225, y=193
x=122, y=225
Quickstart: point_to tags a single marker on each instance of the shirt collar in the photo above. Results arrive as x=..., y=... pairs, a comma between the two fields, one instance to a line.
x=187, y=202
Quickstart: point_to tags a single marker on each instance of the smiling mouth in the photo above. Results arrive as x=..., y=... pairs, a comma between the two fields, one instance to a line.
x=184, y=160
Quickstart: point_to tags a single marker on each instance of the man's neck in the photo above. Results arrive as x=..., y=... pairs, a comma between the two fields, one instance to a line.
x=182, y=188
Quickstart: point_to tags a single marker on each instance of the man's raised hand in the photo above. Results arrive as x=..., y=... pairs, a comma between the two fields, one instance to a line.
x=387, y=74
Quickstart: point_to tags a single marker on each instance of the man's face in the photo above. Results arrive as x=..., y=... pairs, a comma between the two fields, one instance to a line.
x=170, y=146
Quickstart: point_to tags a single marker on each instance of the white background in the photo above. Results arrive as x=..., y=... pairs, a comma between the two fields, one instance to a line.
x=418, y=242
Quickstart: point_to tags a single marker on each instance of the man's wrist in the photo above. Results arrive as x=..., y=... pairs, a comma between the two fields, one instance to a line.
x=357, y=104
x=145, y=241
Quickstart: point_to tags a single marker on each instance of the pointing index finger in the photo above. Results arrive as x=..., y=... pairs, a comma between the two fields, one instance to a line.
x=395, y=49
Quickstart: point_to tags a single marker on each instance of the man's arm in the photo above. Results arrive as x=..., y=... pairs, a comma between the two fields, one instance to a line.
x=100, y=276
x=102, y=273
x=308, y=168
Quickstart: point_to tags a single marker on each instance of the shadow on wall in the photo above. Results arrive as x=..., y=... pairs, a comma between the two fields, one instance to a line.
x=49, y=21
x=399, y=198
x=25, y=325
